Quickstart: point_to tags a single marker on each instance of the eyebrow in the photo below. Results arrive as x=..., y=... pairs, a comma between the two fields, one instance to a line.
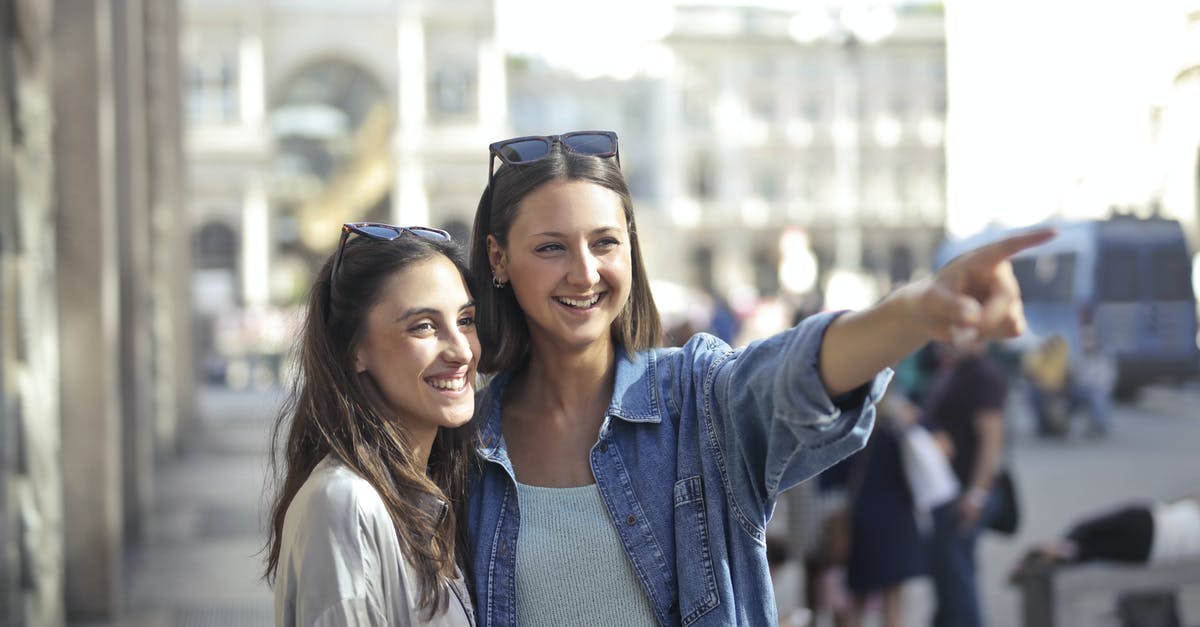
x=429, y=311
x=596, y=231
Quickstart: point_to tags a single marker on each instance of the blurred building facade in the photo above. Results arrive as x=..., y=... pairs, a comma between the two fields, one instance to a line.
x=772, y=129
x=808, y=120
x=302, y=115
x=95, y=378
x=760, y=125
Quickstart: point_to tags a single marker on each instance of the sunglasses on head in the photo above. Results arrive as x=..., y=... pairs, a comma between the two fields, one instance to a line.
x=379, y=231
x=531, y=148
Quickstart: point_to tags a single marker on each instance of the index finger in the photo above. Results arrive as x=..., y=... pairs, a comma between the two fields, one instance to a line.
x=1000, y=250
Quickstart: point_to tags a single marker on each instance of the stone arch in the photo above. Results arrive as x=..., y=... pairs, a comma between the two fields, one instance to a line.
x=334, y=81
x=332, y=125
x=215, y=247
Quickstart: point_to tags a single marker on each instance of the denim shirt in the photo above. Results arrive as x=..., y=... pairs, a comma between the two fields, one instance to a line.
x=696, y=445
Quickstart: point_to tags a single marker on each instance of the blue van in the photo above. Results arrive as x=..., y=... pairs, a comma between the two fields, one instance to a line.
x=1130, y=277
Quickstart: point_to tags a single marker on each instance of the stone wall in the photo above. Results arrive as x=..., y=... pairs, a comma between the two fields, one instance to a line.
x=95, y=377
x=31, y=577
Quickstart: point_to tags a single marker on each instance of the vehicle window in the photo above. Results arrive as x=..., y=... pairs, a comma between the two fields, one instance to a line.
x=1170, y=274
x=1046, y=279
x=1117, y=274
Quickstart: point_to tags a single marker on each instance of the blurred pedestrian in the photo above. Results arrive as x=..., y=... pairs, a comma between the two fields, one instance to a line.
x=1139, y=532
x=966, y=407
x=917, y=372
x=827, y=534
x=1094, y=375
x=886, y=548
x=362, y=529
x=1047, y=366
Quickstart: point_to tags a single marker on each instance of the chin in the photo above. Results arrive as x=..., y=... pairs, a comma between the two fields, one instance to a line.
x=457, y=420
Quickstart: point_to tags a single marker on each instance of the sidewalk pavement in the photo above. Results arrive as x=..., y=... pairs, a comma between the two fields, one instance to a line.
x=200, y=564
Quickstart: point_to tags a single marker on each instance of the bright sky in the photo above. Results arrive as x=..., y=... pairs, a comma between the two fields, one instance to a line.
x=614, y=36
x=1050, y=105
x=593, y=38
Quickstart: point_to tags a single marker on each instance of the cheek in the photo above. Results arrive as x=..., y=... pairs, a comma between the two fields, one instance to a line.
x=473, y=341
x=622, y=272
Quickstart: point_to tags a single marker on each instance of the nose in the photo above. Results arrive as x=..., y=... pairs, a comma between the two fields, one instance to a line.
x=584, y=270
x=457, y=348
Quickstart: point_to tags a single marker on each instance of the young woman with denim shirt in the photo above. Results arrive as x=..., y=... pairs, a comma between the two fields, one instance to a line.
x=621, y=483
x=368, y=446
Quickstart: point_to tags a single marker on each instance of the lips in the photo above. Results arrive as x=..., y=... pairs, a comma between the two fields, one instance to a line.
x=454, y=383
x=578, y=303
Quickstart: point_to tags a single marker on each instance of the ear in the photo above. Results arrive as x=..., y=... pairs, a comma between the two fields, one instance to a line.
x=497, y=259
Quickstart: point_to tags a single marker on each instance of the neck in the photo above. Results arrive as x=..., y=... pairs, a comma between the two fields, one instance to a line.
x=422, y=443
x=565, y=382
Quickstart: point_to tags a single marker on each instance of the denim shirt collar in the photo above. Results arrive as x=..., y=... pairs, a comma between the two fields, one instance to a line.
x=635, y=398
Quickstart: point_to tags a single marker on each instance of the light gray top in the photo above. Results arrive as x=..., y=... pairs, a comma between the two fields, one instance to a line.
x=571, y=569
x=340, y=561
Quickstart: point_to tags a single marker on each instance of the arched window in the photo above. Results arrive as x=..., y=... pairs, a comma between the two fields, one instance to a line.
x=216, y=247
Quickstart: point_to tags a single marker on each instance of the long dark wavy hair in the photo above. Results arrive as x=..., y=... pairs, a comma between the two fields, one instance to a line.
x=500, y=322
x=331, y=409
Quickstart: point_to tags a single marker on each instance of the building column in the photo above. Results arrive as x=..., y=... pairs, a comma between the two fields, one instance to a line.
x=256, y=245
x=169, y=241
x=88, y=284
x=410, y=201
x=133, y=230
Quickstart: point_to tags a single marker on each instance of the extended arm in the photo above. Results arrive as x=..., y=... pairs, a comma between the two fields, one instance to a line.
x=974, y=296
x=989, y=428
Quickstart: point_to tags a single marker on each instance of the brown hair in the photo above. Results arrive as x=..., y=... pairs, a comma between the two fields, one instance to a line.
x=331, y=409
x=503, y=330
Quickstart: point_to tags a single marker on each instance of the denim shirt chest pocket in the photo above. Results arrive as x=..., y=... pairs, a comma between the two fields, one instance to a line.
x=696, y=580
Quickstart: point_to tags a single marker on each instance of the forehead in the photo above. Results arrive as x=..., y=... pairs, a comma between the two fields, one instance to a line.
x=564, y=205
x=435, y=281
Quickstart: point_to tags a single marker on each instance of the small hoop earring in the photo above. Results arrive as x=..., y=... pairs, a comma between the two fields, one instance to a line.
x=497, y=283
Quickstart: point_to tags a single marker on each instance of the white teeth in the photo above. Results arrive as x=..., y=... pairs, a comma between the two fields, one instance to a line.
x=579, y=304
x=453, y=385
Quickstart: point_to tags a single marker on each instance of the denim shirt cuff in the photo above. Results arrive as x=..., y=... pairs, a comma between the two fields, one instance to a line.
x=814, y=400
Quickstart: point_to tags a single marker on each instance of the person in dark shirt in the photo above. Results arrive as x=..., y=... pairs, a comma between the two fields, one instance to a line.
x=965, y=409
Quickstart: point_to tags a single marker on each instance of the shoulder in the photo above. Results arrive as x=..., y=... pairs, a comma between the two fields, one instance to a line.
x=700, y=350
x=335, y=498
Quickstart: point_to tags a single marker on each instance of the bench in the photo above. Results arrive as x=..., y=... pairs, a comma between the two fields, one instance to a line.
x=1085, y=595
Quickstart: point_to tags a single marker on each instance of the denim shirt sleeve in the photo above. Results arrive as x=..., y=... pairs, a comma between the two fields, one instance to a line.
x=771, y=421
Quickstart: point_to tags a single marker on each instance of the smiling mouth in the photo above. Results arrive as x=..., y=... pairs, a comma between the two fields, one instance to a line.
x=578, y=304
x=453, y=384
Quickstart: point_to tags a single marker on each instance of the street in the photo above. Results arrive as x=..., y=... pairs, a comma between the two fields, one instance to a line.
x=201, y=565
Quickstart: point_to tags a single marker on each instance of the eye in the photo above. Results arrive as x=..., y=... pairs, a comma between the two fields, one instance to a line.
x=549, y=248
x=423, y=328
x=606, y=243
x=466, y=320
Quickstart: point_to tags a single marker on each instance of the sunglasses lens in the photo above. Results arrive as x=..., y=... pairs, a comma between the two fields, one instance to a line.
x=380, y=232
x=525, y=150
x=591, y=144
x=428, y=233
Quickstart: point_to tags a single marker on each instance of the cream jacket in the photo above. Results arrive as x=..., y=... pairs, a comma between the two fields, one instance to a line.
x=340, y=562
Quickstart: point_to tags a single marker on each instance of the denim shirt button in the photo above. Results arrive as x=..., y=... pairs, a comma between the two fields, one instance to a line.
x=604, y=447
x=632, y=520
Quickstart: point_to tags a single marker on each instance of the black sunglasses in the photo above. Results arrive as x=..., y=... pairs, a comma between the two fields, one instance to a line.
x=379, y=231
x=531, y=148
